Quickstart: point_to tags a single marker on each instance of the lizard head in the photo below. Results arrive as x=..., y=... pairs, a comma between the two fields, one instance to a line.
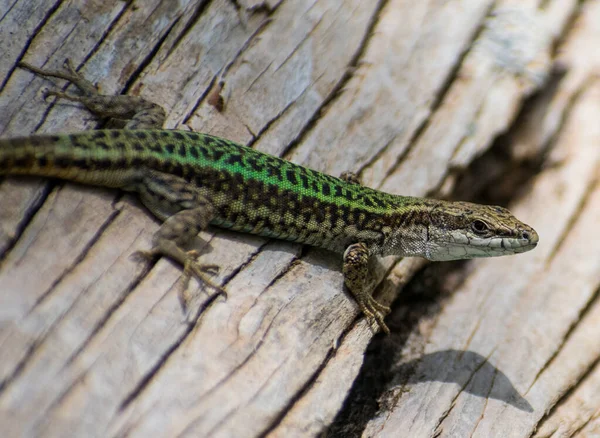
x=462, y=230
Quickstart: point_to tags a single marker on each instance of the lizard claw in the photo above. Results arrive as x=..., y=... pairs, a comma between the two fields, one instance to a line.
x=192, y=268
x=375, y=312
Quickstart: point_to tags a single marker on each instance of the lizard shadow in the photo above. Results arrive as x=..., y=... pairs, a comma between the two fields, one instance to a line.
x=386, y=373
x=472, y=372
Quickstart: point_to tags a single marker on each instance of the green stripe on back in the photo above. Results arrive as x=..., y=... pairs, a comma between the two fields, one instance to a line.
x=196, y=149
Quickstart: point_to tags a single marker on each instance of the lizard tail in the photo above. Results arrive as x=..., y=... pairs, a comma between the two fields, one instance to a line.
x=74, y=157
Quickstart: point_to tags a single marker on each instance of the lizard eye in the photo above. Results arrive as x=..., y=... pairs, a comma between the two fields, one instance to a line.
x=479, y=227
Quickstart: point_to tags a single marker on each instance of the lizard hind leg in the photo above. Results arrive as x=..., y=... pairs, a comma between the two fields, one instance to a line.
x=185, y=212
x=140, y=113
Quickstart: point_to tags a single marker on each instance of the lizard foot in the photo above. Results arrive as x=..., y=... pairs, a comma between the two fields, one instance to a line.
x=190, y=268
x=375, y=312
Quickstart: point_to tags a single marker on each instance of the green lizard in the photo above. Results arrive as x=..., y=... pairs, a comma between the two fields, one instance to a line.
x=190, y=180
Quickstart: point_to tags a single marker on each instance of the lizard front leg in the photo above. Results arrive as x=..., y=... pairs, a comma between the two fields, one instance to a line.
x=356, y=275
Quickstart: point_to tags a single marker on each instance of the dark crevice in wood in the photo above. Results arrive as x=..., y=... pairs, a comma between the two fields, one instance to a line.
x=135, y=282
x=338, y=88
x=42, y=23
x=105, y=318
x=439, y=97
x=308, y=384
x=257, y=78
x=381, y=152
x=20, y=367
x=196, y=15
x=147, y=378
x=468, y=48
x=591, y=186
x=186, y=117
x=36, y=203
x=496, y=177
x=214, y=430
x=576, y=432
x=592, y=302
x=162, y=360
x=111, y=310
x=251, y=257
x=299, y=394
x=47, y=333
x=80, y=257
x=255, y=35
x=263, y=8
x=257, y=136
x=218, y=81
x=570, y=25
x=100, y=40
x=61, y=397
x=108, y=314
x=237, y=368
x=485, y=403
x=495, y=169
x=37, y=29
x=240, y=366
x=576, y=384
x=141, y=66
x=8, y=10
x=470, y=379
x=438, y=429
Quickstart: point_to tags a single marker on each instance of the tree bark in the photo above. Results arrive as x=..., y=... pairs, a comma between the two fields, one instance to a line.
x=420, y=98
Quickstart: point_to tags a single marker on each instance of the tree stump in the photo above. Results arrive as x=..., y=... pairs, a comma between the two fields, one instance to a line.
x=478, y=100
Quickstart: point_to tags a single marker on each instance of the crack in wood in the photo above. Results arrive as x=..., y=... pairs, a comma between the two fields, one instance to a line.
x=80, y=257
x=36, y=204
x=338, y=88
x=567, y=336
x=47, y=16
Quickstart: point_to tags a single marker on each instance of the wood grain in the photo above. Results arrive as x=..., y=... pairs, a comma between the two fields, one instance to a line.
x=409, y=94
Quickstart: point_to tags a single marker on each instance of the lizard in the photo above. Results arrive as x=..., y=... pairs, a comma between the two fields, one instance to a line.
x=190, y=180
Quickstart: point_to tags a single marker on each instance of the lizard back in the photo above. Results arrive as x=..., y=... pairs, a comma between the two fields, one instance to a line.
x=252, y=192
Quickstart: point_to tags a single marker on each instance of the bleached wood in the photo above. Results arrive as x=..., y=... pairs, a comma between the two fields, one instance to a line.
x=530, y=329
x=94, y=344
x=578, y=410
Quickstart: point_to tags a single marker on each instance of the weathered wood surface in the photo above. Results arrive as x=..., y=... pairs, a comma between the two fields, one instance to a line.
x=407, y=93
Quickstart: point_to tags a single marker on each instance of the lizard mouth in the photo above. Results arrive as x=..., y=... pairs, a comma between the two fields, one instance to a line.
x=529, y=240
x=526, y=247
x=509, y=245
x=476, y=248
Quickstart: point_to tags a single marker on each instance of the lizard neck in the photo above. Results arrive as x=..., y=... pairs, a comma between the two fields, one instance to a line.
x=407, y=228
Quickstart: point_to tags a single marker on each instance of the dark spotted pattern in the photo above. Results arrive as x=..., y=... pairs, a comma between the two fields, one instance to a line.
x=252, y=191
